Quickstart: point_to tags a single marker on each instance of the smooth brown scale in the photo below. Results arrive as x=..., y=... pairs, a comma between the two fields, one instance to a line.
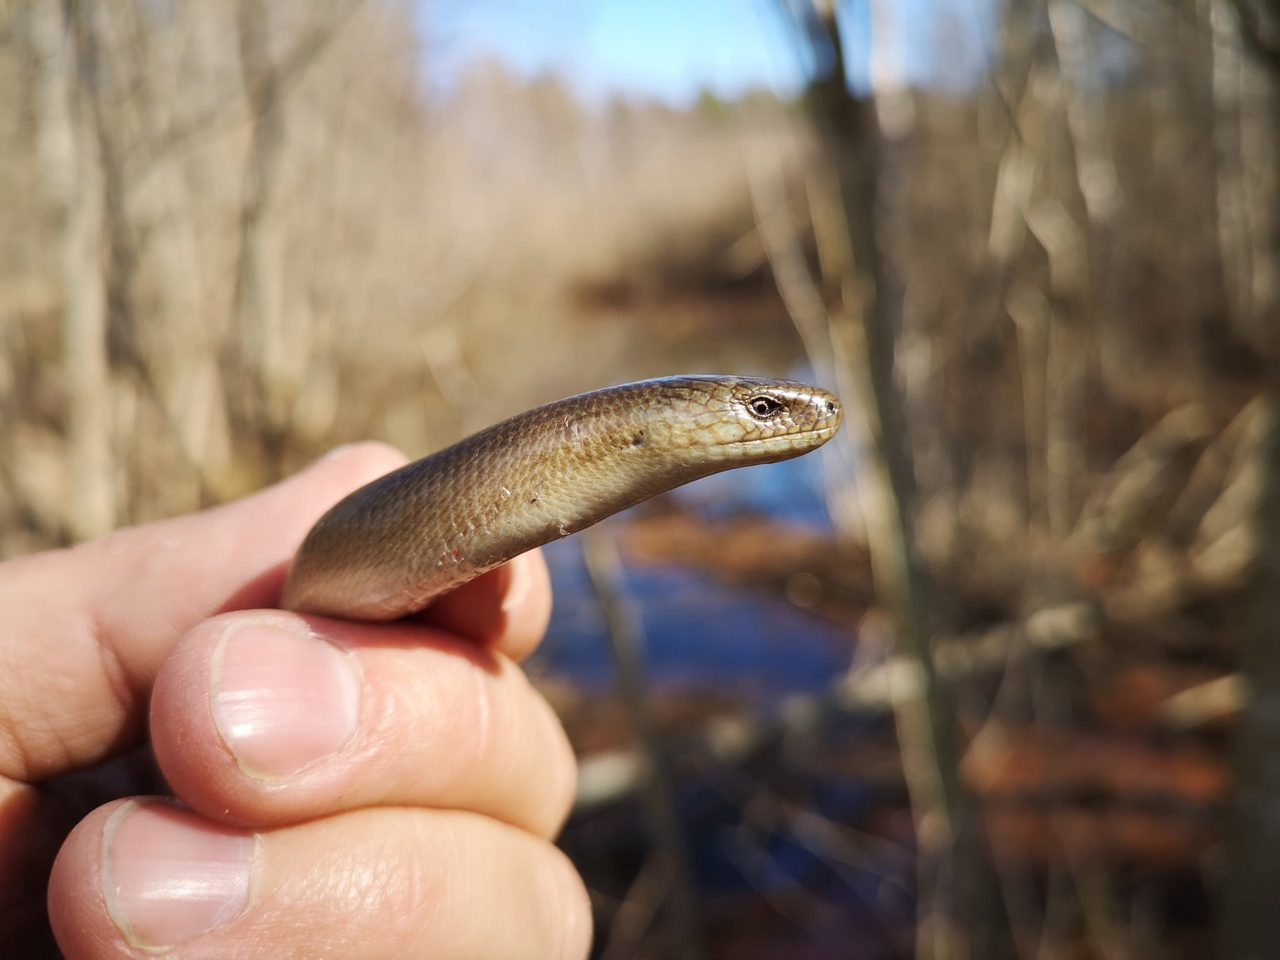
x=395, y=544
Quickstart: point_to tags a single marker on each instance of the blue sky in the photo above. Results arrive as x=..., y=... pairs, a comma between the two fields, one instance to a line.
x=670, y=50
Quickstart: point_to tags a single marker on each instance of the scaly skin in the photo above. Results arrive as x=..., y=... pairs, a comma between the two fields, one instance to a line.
x=392, y=546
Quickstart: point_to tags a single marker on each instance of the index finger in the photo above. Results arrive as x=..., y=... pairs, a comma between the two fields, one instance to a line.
x=86, y=628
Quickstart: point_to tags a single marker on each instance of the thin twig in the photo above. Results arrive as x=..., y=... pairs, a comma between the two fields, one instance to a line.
x=599, y=554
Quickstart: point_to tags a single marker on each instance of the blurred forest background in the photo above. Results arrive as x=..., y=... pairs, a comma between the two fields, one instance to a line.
x=236, y=233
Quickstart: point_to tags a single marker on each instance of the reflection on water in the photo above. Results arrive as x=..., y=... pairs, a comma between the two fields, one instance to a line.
x=701, y=634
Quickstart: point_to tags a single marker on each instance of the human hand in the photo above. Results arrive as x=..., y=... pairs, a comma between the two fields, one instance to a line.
x=343, y=790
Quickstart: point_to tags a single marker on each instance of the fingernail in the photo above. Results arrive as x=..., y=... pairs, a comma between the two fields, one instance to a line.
x=169, y=875
x=518, y=582
x=282, y=699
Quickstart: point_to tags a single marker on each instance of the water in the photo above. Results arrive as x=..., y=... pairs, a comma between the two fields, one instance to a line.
x=700, y=634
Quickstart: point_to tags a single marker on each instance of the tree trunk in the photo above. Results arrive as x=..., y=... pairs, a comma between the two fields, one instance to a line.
x=1250, y=920
x=864, y=329
x=72, y=160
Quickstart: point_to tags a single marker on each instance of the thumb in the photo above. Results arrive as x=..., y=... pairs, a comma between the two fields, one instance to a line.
x=87, y=628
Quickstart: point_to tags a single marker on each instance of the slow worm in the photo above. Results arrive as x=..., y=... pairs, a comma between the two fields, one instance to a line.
x=392, y=546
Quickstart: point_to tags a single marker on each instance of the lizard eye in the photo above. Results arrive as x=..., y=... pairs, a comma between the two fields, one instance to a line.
x=764, y=407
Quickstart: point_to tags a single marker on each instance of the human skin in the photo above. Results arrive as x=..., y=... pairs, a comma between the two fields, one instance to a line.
x=330, y=789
